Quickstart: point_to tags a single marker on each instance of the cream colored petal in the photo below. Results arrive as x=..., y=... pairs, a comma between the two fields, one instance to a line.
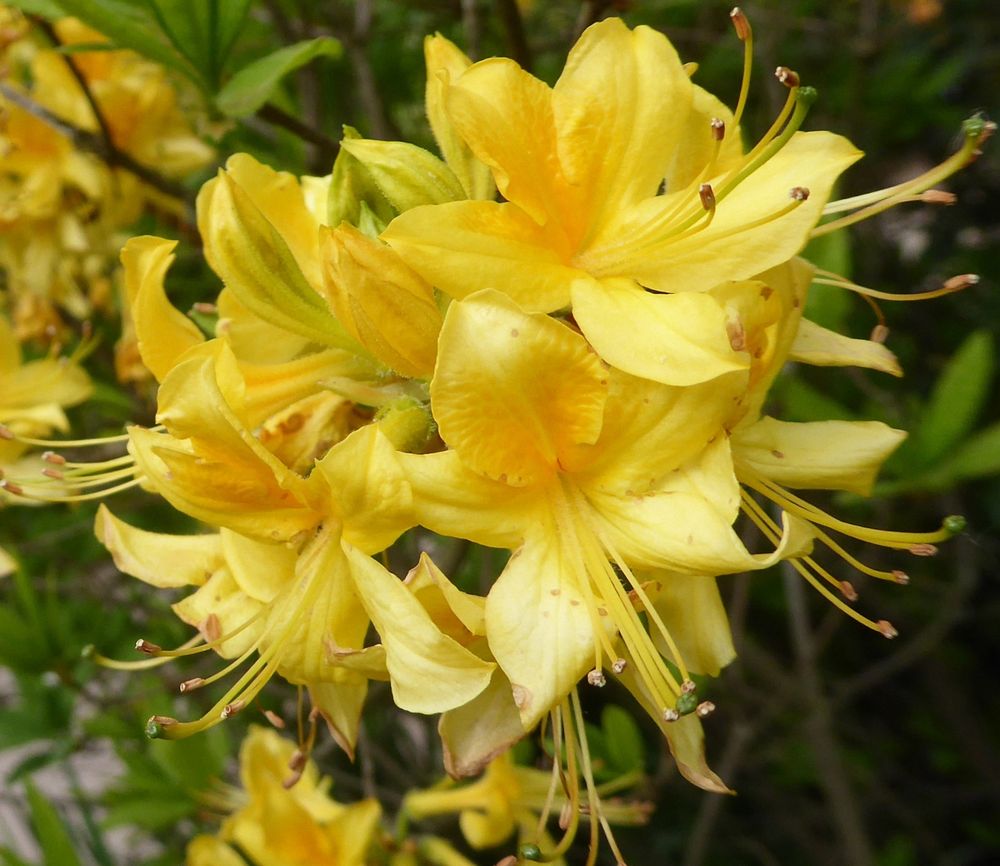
x=820, y=455
x=429, y=671
x=538, y=626
x=515, y=394
x=674, y=339
x=620, y=105
x=822, y=347
x=340, y=705
x=157, y=558
x=260, y=569
x=466, y=246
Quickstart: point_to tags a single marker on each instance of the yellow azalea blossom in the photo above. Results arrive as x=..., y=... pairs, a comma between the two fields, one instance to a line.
x=587, y=474
x=274, y=824
x=583, y=226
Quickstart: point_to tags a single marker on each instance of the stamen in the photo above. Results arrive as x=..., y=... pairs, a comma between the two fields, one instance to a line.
x=745, y=34
x=705, y=708
x=707, y=196
x=787, y=76
x=950, y=286
x=597, y=678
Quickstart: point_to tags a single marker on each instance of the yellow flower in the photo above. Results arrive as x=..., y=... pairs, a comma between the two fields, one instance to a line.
x=582, y=225
x=277, y=824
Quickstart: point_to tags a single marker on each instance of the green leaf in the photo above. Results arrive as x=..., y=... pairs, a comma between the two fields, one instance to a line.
x=977, y=457
x=46, y=8
x=231, y=15
x=957, y=399
x=186, y=23
x=9, y=858
x=53, y=837
x=623, y=740
x=253, y=85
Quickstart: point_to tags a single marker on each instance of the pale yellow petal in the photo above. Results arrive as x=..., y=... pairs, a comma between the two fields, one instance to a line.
x=515, y=393
x=211, y=851
x=219, y=607
x=822, y=347
x=458, y=614
x=675, y=339
x=340, y=705
x=693, y=613
x=261, y=570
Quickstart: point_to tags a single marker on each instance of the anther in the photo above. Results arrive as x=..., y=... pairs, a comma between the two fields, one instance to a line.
x=737, y=335
x=597, y=678
x=297, y=763
x=565, y=815
x=923, y=550
x=670, y=715
x=879, y=334
x=687, y=687
x=191, y=684
x=147, y=647
x=6, y=432
x=53, y=458
x=740, y=23
x=204, y=308
x=901, y=577
x=718, y=129
x=787, y=76
x=887, y=629
x=53, y=473
x=618, y=665
x=274, y=719
x=705, y=708
x=707, y=195
x=509, y=860
x=848, y=591
x=962, y=281
x=232, y=709
x=12, y=488
x=798, y=193
x=938, y=196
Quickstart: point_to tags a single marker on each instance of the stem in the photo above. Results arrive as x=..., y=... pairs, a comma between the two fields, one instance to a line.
x=520, y=51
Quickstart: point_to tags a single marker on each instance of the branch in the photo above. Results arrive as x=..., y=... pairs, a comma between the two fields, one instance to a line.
x=279, y=117
x=520, y=51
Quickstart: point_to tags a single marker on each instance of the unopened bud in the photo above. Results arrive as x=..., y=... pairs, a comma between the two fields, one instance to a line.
x=787, y=76
x=799, y=193
x=148, y=647
x=887, y=628
x=597, y=678
x=53, y=458
x=901, y=577
x=740, y=23
x=879, y=334
x=718, y=129
x=848, y=591
x=619, y=665
x=923, y=550
x=705, y=708
x=707, y=195
x=191, y=684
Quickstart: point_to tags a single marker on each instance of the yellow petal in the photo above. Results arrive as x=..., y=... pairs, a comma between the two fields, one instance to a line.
x=676, y=339
x=8, y=565
x=385, y=305
x=219, y=607
x=694, y=149
x=458, y=614
x=340, y=705
x=619, y=105
x=465, y=246
x=538, y=626
x=825, y=348
x=164, y=333
x=429, y=671
x=820, y=455
x=693, y=613
x=252, y=338
x=157, y=558
x=445, y=62
x=261, y=570
x=211, y=851
x=514, y=393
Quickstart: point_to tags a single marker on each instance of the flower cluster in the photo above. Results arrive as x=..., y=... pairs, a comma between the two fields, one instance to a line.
x=556, y=340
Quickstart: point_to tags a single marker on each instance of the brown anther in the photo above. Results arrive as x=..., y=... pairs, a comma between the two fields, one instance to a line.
x=509, y=860
x=205, y=308
x=618, y=665
x=291, y=781
x=12, y=488
x=886, y=628
x=962, y=281
x=737, y=335
x=718, y=128
x=707, y=195
x=879, y=334
x=705, y=708
x=670, y=715
x=938, y=196
x=687, y=687
x=165, y=721
x=53, y=473
x=799, y=193
x=848, y=591
x=788, y=77
x=901, y=577
x=297, y=763
x=191, y=684
x=6, y=432
x=148, y=647
x=232, y=709
x=923, y=550
x=275, y=719
x=565, y=815
x=53, y=458
x=596, y=678
x=740, y=23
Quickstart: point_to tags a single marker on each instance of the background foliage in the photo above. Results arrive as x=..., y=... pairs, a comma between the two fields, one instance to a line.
x=844, y=749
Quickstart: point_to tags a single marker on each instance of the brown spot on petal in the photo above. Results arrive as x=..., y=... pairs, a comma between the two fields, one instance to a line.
x=521, y=695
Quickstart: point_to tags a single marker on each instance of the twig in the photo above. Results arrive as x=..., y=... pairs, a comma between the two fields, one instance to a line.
x=590, y=12
x=520, y=51
x=471, y=25
x=95, y=144
x=357, y=44
x=281, y=118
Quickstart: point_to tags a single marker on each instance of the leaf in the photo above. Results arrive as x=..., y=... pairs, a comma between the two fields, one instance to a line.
x=252, y=86
x=623, y=740
x=53, y=837
x=957, y=399
x=978, y=456
x=231, y=15
x=187, y=24
x=46, y=8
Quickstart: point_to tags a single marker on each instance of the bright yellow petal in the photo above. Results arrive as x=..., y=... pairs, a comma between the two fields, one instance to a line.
x=696, y=147
x=620, y=104
x=515, y=393
x=821, y=455
x=219, y=607
x=163, y=332
x=466, y=246
x=156, y=558
x=822, y=347
x=261, y=570
x=340, y=705
x=692, y=611
x=458, y=614
x=675, y=339
x=429, y=671
x=252, y=338
x=211, y=851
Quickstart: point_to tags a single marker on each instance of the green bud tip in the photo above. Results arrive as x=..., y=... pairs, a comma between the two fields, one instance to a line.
x=955, y=524
x=530, y=852
x=154, y=730
x=807, y=96
x=686, y=703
